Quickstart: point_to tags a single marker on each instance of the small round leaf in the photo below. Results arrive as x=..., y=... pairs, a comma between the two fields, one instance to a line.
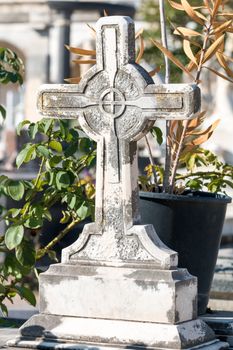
x=62, y=180
x=14, y=236
x=28, y=153
x=15, y=189
x=57, y=146
x=43, y=151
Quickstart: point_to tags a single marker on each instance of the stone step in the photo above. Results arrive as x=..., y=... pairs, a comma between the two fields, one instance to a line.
x=7, y=334
x=222, y=286
x=222, y=324
x=228, y=224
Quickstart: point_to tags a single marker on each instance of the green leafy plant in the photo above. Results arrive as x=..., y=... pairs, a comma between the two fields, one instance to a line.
x=212, y=23
x=11, y=70
x=63, y=154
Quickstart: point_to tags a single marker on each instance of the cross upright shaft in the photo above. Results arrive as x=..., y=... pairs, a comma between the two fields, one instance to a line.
x=117, y=102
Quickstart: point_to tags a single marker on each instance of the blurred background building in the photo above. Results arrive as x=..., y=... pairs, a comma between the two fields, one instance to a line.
x=37, y=31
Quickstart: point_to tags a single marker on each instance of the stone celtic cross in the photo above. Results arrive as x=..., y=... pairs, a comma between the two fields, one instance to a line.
x=116, y=103
x=117, y=286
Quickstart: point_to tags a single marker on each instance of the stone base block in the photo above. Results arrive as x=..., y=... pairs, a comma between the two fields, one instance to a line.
x=119, y=293
x=57, y=332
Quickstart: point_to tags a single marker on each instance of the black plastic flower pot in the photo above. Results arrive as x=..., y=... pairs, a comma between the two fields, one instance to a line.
x=190, y=224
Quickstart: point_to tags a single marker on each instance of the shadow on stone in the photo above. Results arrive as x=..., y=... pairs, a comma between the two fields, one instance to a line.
x=32, y=331
x=138, y=346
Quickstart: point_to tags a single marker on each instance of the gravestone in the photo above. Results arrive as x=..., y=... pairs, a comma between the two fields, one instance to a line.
x=118, y=285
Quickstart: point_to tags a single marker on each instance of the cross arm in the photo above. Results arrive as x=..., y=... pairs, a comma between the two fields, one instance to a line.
x=170, y=101
x=61, y=101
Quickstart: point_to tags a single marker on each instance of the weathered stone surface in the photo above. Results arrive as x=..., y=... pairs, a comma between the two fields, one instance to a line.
x=167, y=296
x=117, y=103
x=7, y=334
x=59, y=345
x=118, y=333
x=118, y=284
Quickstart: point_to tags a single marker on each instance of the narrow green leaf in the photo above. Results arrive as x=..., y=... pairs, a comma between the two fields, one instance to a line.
x=64, y=127
x=27, y=294
x=158, y=134
x=25, y=254
x=21, y=125
x=15, y=212
x=3, y=179
x=82, y=211
x=65, y=218
x=53, y=256
x=4, y=309
x=47, y=215
x=194, y=184
x=2, y=289
x=32, y=130
x=191, y=162
x=50, y=177
x=48, y=123
x=3, y=112
x=72, y=201
x=27, y=154
x=229, y=183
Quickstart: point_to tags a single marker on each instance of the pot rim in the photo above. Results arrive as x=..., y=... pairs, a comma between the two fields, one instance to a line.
x=191, y=196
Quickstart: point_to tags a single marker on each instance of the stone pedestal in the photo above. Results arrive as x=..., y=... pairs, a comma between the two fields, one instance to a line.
x=59, y=332
x=82, y=306
x=128, y=294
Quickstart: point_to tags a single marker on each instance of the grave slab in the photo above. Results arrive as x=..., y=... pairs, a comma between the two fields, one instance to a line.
x=222, y=286
x=118, y=285
x=222, y=324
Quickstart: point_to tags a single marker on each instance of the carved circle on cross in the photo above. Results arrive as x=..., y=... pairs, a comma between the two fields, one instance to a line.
x=112, y=102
